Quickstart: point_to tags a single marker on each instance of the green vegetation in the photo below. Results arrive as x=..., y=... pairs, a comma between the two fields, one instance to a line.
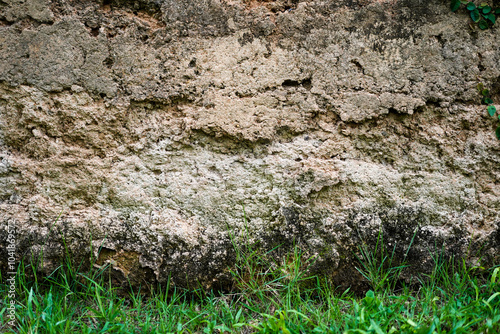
x=268, y=296
x=483, y=15
x=492, y=110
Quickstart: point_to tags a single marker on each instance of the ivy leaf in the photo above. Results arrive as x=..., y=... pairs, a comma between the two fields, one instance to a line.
x=492, y=110
x=491, y=17
x=483, y=24
x=455, y=4
x=486, y=10
x=480, y=87
x=475, y=15
x=485, y=92
x=497, y=132
x=471, y=6
x=487, y=100
x=497, y=11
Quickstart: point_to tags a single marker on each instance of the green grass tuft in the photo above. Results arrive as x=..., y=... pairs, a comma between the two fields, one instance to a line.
x=269, y=296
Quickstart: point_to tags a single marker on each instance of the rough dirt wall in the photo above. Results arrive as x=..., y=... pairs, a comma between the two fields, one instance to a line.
x=149, y=125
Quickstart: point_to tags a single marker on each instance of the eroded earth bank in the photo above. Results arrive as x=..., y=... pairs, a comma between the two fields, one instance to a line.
x=158, y=131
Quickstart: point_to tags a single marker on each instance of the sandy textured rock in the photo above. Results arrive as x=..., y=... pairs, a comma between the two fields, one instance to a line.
x=151, y=128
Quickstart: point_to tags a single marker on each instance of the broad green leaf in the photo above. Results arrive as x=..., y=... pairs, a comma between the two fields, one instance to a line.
x=492, y=110
x=497, y=11
x=424, y=330
x=497, y=293
x=486, y=9
x=491, y=17
x=487, y=100
x=485, y=92
x=497, y=132
x=393, y=330
x=471, y=6
x=480, y=87
x=374, y=326
x=411, y=322
x=455, y=4
x=475, y=15
x=301, y=314
x=238, y=315
x=483, y=24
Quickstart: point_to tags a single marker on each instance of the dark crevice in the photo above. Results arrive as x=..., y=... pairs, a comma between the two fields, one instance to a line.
x=94, y=31
x=378, y=46
x=180, y=100
x=429, y=105
x=285, y=133
x=109, y=61
x=495, y=87
x=152, y=103
x=4, y=22
x=25, y=23
x=242, y=95
x=269, y=51
x=218, y=141
x=306, y=83
x=276, y=7
x=358, y=66
x=246, y=38
x=136, y=6
x=432, y=103
x=440, y=40
x=480, y=65
x=290, y=83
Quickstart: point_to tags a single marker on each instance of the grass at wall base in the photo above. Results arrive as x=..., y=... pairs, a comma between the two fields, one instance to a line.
x=268, y=297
